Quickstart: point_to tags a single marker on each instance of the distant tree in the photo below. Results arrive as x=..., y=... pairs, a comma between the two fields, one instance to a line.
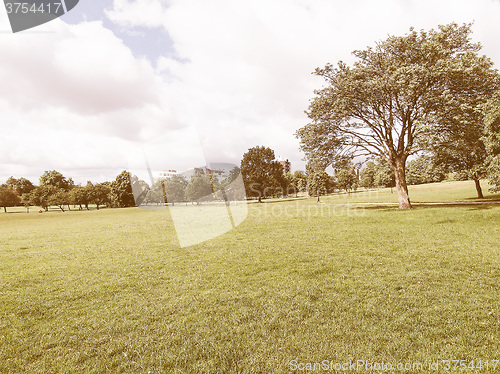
x=384, y=175
x=367, y=175
x=40, y=196
x=346, y=180
x=26, y=201
x=156, y=194
x=318, y=183
x=175, y=189
x=262, y=174
x=199, y=188
x=288, y=185
x=232, y=187
x=458, y=145
x=20, y=185
x=121, y=191
x=59, y=198
x=140, y=190
x=100, y=194
x=300, y=181
x=81, y=195
x=423, y=170
x=8, y=197
x=318, y=180
x=56, y=179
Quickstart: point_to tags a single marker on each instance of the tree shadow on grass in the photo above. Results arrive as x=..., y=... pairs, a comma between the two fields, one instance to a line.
x=494, y=197
x=274, y=201
x=381, y=207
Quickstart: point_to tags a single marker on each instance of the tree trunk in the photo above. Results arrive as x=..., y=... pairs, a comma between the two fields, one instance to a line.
x=478, y=188
x=5, y=209
x=401, y=188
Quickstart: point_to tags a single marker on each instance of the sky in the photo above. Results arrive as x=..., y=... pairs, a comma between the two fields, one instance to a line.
x=176, y=84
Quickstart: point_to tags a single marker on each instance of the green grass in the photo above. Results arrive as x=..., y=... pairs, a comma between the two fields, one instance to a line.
x=463, y=191
x=111, y=291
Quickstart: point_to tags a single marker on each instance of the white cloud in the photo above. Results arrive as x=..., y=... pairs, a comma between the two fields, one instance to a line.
x=137, y=13
x=240, y=72
x=72, y=97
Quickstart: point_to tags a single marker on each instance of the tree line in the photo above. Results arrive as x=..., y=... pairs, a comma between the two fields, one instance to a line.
x=262, y=175
x=127, y=190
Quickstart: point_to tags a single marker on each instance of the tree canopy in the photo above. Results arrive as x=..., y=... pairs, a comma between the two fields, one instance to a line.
x=262, y=174
x=393, y=96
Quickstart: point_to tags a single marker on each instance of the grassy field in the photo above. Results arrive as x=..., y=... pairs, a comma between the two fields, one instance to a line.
x=111, y=291
x=463, y=191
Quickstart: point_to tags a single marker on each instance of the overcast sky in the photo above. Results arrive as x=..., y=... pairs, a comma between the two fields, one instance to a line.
x=182, y=83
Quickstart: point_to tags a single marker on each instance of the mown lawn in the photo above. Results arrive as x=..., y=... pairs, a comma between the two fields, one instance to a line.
x=111, y=291
x=433, y=192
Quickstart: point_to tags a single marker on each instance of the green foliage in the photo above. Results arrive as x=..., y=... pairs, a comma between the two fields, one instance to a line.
x=300, y=181
x=233, y=188
x=8, y=197
x=140, y=189
x=199, y=188
x=20, y=185
x=56, y=179
x=100, y=194
x=121, y=195
x=59, y=198
x=81, y=195
x=318, y=183
x=346, y=180
x=492, y=140
x=423, y=170
x=175, y=189
x=367, y=175
x=384, y=175
x=262, y=174
x=386, y=103
x=288, y=184
x=40, y=196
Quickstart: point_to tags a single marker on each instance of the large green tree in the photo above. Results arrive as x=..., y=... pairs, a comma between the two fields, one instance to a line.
x=262, y=174
x=392, y=96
